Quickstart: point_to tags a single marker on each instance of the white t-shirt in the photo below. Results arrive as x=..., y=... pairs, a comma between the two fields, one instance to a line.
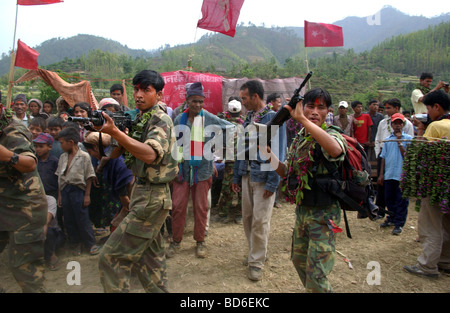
x=419, y=107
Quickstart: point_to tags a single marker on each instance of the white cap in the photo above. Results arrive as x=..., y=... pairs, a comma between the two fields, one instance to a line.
x=343, y=104
x=234, y=106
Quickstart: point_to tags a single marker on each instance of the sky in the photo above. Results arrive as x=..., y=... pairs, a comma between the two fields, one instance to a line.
x=149, y=24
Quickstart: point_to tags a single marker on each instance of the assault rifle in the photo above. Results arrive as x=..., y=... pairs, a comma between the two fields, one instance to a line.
x=121, y=119
x=264, y=130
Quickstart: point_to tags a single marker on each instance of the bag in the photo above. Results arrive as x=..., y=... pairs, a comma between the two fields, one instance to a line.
x=350, y=182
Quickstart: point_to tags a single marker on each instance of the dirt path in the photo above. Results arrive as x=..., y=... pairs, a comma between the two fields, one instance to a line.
x=222, y=271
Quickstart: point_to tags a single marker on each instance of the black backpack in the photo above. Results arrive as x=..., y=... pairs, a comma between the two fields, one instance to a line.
x=350, y=182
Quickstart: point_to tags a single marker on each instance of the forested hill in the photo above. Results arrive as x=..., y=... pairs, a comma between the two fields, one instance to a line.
x=217, y=52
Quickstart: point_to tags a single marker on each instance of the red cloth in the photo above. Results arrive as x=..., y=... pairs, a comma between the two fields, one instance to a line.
x=361, y=127
x=220, y=16
x=323, y=35
x=37, y=2
x=174, y=89
x=26, y=57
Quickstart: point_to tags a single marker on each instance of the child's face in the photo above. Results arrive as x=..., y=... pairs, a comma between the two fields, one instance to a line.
x=54, y=131
x=35, y=131
x=34, y=108
x=47, y=108
x=67, y=146
x=79, y=112
x=397, y=126
x=42, y=149
x=358, y=109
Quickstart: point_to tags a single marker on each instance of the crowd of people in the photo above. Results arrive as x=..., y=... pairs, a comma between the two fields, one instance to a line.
x=70, y=180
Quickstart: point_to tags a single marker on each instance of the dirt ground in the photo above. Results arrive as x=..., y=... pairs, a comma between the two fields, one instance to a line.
x=223, y=272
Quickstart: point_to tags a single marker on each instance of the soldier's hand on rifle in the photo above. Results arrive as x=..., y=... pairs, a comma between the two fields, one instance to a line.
x=108, y=127
x=297, y=114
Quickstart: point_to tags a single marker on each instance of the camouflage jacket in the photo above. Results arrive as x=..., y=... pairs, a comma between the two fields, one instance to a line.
x=23, y=205
x=160, y=135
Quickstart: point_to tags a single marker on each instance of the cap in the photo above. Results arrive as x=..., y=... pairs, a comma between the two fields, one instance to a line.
x=106, y=101
x=234, y=106
x=44, y=138
x=398, y=116
x=343, y=104
x=20, y=97
x=196, y=89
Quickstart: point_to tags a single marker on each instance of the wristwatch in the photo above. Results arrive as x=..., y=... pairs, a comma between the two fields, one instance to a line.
x=14, y=159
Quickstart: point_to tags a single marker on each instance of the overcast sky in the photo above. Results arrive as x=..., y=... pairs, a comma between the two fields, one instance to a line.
x=150, y=24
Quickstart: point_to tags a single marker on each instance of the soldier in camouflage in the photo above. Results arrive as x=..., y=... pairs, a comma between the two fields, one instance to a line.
x=137, y=243
x=228, y=212
x=317, y=214
x=23, y=205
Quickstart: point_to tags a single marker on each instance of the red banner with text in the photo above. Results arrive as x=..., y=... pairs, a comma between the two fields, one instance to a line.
x=175, y=92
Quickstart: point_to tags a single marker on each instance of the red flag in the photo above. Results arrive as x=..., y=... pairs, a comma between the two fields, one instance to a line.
x=323, y=35
x=26, y=57
x=220, y=16
x=37, y=2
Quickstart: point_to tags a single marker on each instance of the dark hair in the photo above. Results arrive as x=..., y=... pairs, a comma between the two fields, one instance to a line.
x=83, y=105
x=439, y=97
x=315, y=93
x=49, y=102
x=426, y=75
x=254, y=87
x=69, y=134
x=396, y=103
x=355, y=103
x=373, y=101
x=116, y=87
x=55, y=121
x=69, y=124
x=272, y=97
x=146, y=78
x=39, y=122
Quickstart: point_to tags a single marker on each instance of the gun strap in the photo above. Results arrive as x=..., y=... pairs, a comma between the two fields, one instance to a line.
x=100, y=145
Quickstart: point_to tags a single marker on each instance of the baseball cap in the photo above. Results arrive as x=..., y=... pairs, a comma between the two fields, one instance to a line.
x=44, y=138
x=397, y=116
x=343, y=104
x=234, y=106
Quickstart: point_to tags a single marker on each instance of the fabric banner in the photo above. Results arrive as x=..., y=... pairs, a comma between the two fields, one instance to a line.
x=285, y=87
x=323, y=35
x=37, y=2
x=220, y=16
x=26, y=57
x=175, y=93
x=72, y=93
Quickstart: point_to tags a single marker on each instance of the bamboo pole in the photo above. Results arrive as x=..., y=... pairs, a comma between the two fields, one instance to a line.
x=13, y=62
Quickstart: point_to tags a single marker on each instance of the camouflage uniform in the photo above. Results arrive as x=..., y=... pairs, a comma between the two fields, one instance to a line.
x=225, y=205
x=313, y=239
x=137, y=243
x=23, y=212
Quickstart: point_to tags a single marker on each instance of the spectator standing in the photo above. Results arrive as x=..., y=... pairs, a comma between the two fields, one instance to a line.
x=20, y=107
x=75, y=174
x=376, y=119
x=434, y=225
x=258, y=182
x=343, y=120
x=47, y=164
x=422, y=89
x=117, y=93
x=36, y=107
x=362, y=125
x=394, y=150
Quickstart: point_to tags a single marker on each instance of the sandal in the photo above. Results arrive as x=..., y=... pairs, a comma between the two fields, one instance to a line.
x=53, y=266
x=95, y=249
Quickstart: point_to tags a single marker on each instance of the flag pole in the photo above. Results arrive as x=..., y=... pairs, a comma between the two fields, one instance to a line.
x=307, y=65
x=13, y=61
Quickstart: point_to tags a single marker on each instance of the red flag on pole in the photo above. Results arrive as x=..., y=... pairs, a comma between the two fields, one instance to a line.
x=323, y=35
x=37, y=2
x=26, y=57
x=220, y=16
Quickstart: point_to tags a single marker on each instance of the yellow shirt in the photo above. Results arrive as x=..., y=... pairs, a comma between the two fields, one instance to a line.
x=438, y=129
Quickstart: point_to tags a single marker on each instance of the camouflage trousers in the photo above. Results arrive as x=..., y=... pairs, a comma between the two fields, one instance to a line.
x=225, y=205
x=137, y=244
x=313, y=245
x=26, y=258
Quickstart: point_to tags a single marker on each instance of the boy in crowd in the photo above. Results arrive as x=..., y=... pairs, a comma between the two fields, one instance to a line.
x=54, y=126
x=390, y=174
x=36, y=126
x=75, y=174
x=362, y=125
x=47, y=163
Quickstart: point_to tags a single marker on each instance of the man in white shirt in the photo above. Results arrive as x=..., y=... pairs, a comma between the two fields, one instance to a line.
x=422, y=89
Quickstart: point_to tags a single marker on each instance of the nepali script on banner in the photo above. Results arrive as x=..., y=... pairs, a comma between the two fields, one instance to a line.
x=174, y=89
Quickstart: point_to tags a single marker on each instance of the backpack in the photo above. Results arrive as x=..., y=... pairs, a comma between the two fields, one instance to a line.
x=350, y=182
